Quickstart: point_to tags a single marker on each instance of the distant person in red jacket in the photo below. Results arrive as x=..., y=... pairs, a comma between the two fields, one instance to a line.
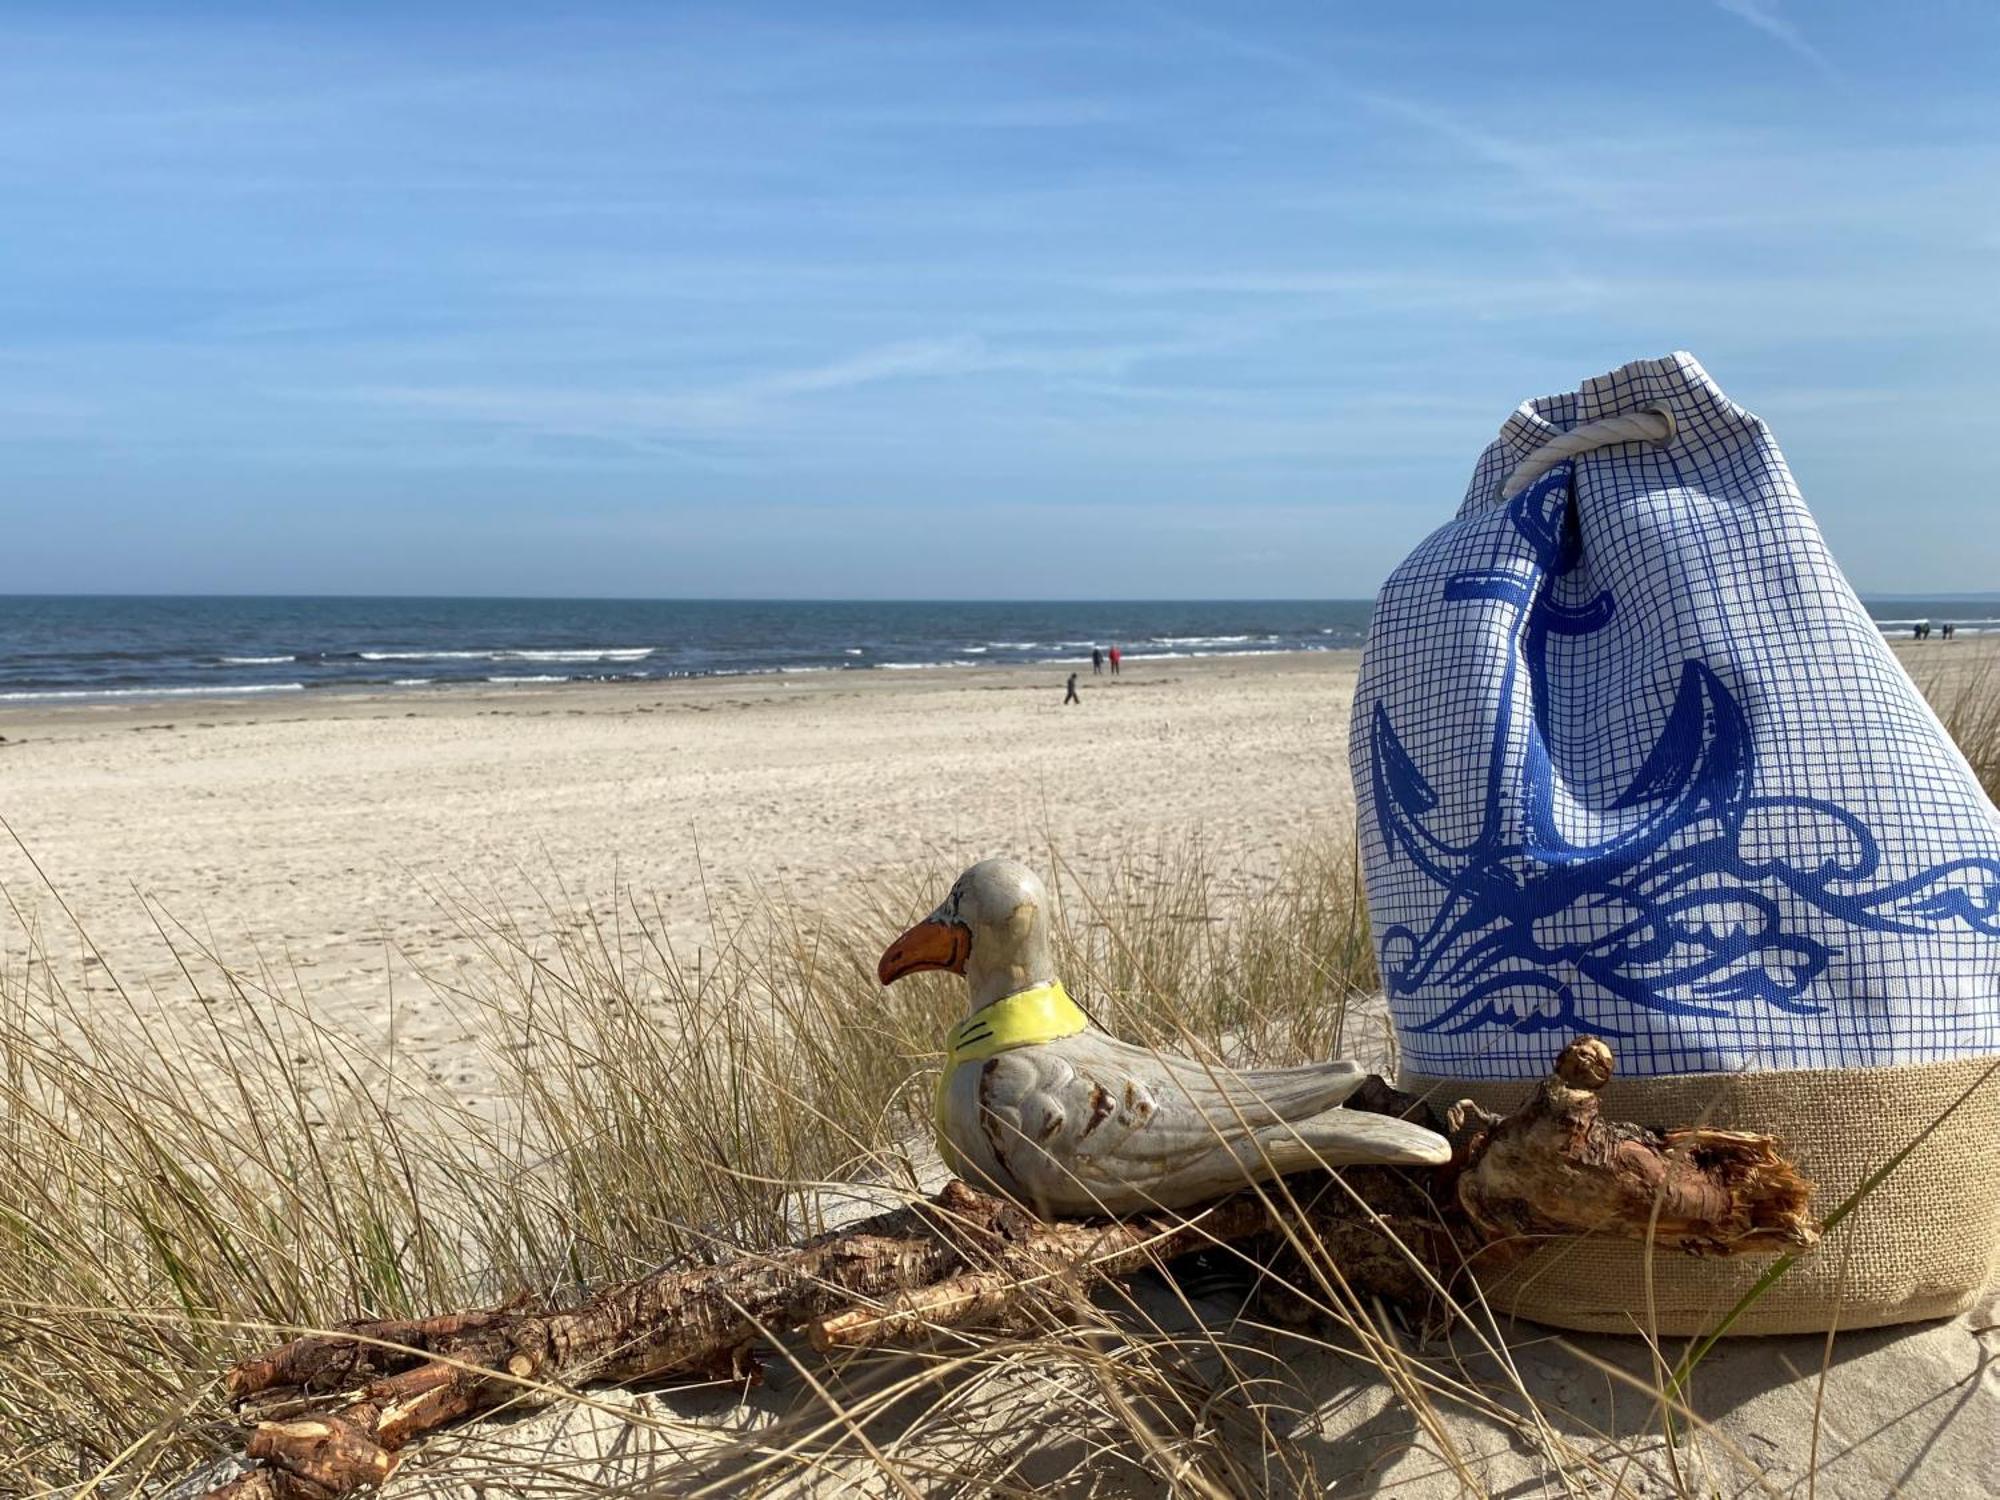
x=1115, y=659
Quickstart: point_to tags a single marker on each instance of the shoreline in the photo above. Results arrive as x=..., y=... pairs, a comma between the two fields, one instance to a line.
x=92, y=650
x=59, y=709
x=31, y=698
x=45, y=715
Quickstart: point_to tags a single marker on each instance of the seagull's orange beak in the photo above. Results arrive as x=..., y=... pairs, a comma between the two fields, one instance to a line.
x=932, y=944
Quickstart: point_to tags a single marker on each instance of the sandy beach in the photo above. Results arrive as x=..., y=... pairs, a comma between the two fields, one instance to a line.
x=314, y=837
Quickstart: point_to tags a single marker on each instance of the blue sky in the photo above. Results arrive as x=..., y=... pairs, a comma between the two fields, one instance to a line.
x=927, y=300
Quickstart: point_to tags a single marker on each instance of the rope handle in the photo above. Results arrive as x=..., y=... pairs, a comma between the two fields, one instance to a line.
x=1653, y=425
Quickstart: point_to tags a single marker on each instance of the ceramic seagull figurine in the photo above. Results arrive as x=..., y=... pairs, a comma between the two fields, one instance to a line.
x=1039, y=1103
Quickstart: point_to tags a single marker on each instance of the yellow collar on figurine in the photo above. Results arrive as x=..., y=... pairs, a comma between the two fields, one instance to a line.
x=1043, y=1014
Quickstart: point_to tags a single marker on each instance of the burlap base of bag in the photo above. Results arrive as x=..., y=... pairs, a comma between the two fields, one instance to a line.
x=1923, y=1245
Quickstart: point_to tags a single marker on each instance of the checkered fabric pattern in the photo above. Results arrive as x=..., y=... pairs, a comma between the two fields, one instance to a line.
x=1631, y=759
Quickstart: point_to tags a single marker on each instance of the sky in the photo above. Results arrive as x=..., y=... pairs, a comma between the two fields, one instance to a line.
x=971, y=300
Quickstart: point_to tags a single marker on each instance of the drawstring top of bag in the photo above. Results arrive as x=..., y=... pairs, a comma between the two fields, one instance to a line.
x=1653, y=425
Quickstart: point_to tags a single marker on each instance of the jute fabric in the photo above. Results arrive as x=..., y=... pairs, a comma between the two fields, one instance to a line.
x=1923, y=1245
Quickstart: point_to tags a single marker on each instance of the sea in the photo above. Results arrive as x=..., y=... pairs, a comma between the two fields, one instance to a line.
x=77, y=647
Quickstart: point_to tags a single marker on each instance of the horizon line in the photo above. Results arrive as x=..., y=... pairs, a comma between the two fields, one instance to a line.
x=1863, y=594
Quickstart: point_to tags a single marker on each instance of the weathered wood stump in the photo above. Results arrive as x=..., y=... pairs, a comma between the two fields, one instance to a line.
x=965, y=1257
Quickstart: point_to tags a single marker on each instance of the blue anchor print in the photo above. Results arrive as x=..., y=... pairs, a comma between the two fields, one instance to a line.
x=1682, y=909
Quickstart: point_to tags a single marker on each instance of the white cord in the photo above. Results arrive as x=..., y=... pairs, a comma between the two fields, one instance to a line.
x=1650, y=426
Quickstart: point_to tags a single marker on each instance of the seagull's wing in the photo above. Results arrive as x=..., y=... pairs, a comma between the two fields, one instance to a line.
x=1257, y=1097
x=1092, y=1124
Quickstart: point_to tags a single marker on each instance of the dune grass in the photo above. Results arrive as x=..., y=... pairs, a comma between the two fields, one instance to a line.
x=173, y=1196
x=1968, y=703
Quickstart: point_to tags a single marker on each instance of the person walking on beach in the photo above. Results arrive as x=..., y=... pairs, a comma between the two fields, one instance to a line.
x=1115, y=659
x=1096, y=661
x=1071, y=697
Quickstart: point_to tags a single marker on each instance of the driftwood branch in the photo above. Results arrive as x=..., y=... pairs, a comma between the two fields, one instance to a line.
x=963, y=1257
x=1555, y=1166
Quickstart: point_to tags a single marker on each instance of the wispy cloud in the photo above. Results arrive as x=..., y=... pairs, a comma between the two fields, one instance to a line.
x=1765, y=18
x=1542, y=172
x=932, y=358
x=585, y=411
x=740, y=407
x=1055, y=113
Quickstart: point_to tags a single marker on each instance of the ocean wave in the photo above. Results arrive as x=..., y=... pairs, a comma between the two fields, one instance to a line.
x=255, y=661
x=1205, y=655
x=593, y=653
x=425, y=655
x=155, y=692
x=580, y=653
x=1209, y=640
x=531, y=679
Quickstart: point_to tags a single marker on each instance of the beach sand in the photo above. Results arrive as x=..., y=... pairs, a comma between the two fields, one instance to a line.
x=315, y=836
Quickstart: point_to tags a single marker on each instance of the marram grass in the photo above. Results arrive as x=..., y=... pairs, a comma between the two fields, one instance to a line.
x=184, y=1180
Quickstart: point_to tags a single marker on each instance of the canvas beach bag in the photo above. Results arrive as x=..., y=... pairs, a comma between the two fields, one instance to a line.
x=1632, y=760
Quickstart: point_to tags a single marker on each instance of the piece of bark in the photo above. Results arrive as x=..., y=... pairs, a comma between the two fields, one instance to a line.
x=965, y=1257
